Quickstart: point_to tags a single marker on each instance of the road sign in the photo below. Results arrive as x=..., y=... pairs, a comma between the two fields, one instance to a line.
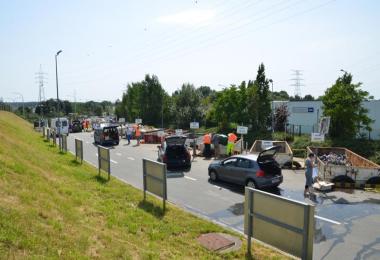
x=121, y=120
x=317, y=137
x=280, y=222
x=178, y=132
x=243, y=130
x=161, y=133
x=104, y=160
x=79, y=149
x=266, y=144
x=138, y=121
x=154, y=179
x=194, y=125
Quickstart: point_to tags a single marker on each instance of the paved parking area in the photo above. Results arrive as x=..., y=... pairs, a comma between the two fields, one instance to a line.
x=347, y=221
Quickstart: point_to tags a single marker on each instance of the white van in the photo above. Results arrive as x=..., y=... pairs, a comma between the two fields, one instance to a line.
x=63, y=129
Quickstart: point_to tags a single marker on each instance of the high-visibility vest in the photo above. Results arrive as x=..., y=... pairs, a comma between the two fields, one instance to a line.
x=138, y=133
x=232, y=137
x=207, y=139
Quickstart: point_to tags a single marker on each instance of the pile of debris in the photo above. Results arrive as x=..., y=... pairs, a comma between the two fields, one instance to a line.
x=335, y=159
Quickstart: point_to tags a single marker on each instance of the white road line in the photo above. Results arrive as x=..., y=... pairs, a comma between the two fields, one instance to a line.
x=189, y=178
x=96, y=154
x=328, y=220
x=87, y=142
x=118, y=154
x=131, y=158
x=115, y=162
x=217, y=187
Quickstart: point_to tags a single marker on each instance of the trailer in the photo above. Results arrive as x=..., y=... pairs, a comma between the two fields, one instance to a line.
x=284, y=156
x=341, y=165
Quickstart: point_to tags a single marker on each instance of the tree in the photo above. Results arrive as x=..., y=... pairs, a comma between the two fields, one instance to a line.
x=281, y=114
x=343, y=103
x=259, y=102
x=280, y=96
x=186, y=105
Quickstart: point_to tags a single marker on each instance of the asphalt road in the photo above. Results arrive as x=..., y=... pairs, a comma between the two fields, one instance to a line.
x=347, y=221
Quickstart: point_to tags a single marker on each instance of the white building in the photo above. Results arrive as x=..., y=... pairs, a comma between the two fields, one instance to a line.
x=304, y=116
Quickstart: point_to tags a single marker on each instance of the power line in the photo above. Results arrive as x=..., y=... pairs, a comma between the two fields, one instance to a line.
x=41, y=80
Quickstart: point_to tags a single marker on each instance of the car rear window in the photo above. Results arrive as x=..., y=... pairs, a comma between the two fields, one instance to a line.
x=110, y=130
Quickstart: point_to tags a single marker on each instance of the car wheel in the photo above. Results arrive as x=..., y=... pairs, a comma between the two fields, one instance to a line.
x=213, y=176
x=251, y=184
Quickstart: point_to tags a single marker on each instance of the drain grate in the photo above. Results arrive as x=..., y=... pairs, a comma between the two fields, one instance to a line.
x=215, y=242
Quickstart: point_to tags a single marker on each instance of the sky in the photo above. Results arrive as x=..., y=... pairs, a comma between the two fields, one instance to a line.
x=108, y=44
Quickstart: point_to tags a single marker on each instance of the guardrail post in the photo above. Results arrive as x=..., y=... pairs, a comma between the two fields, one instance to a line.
x=250, y=221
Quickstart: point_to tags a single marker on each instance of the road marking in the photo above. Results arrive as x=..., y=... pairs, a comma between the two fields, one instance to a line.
x=189, y=178
x=131, y=158
x=87, y=142
x=217, y=187
x=115, y=162
x=328, y=220
x=96, y=154
x=118, y=154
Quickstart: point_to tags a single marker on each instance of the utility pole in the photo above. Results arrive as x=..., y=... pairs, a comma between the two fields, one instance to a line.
x=41, y=80
x=297, y=82
x=271, y=81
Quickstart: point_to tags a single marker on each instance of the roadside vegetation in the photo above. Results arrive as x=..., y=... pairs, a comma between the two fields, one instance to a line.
x=53, y=207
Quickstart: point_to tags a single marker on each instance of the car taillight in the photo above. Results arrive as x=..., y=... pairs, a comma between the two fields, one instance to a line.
x=260, y=173
x=164, y=158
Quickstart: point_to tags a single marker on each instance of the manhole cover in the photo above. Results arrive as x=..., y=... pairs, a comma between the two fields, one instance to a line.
x=215, y=241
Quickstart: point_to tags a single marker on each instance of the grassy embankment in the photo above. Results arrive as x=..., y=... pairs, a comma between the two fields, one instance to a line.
x=52, y=207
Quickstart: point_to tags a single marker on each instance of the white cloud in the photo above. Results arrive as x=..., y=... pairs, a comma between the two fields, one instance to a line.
x=191, y=17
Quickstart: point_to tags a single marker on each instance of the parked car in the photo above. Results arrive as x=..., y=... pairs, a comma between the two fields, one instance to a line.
x=174, y=153
x=76, y=126
x=256, y=171
x=105, y=134
x=61, y=125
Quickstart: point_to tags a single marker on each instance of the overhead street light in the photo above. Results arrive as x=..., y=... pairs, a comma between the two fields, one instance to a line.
x=56, y=80
x=271, y=81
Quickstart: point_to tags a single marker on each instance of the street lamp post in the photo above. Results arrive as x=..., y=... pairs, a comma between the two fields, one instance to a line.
x=56, y=80
x=271, y=81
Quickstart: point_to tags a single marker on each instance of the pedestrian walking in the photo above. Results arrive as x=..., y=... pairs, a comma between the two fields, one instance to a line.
x=309, y=165
x=128, y=132
x=215, y=142
x=207, y=145
x=231, y=143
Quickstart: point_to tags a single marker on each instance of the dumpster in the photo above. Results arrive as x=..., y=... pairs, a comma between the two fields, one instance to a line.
x=284, y=156
x=341, y=165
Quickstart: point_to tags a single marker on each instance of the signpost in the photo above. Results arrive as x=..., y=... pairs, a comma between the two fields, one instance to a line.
x=63, y=143
x=138, y=121
x=194, y=125
x=280, y=222
x=121, y=120
x=104, y=160
x=48, y=133
x=242, y=130
x=154, y=179
x=317, y=137
x=79, y=150
x=53, y=133
x=178, y=132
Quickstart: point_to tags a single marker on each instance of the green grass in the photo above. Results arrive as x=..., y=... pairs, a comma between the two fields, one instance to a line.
x=53, y=207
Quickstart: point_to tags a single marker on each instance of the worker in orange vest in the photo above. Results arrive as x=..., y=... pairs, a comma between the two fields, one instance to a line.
x=138, y=134
x=231, y=143
x=207, y=144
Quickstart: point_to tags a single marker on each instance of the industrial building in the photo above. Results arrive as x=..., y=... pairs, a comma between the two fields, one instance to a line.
x=304, y=116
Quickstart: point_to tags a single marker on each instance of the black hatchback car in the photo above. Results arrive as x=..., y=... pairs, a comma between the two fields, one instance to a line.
x=106, y=135
x=174, y=153
x=256, y=171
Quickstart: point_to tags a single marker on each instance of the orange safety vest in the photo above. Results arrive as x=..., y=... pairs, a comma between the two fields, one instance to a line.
x=232, y=137
x=207, y=139
x=138, y=133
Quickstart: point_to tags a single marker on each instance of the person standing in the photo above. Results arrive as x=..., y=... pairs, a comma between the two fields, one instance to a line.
x=128, y=132
x=138, y=135
x=215, y=142
x=309, y=165
x=207, y=144
x=231, y=143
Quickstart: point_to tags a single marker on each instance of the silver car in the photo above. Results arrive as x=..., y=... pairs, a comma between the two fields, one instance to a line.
x=256, y=171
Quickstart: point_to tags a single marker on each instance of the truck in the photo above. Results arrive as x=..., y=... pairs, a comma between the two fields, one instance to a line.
x=284, y=155
x=341, y=165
